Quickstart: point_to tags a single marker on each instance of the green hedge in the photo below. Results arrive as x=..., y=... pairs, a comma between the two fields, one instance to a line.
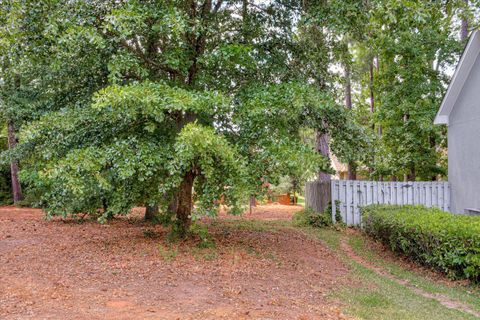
x=449, y=243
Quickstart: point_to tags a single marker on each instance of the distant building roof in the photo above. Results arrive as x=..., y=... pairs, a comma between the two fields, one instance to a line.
x=337, y=165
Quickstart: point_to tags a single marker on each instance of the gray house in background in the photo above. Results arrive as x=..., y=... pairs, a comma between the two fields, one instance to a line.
x=460, y=110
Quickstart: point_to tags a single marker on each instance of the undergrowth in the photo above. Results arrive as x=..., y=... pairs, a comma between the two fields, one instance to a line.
x=308, y=217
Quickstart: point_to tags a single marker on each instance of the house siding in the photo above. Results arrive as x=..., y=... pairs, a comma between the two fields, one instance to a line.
x=464, y=145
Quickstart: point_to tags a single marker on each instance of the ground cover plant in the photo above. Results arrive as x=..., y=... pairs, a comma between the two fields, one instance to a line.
x=446, y=242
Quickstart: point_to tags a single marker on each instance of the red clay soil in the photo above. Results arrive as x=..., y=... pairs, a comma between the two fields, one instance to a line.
x=269, y=212
x=127, y=270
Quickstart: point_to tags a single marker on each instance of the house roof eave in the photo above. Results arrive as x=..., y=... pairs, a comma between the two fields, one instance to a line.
x=462, y=71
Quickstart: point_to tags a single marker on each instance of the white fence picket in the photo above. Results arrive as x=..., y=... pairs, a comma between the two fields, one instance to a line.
x=352, y=195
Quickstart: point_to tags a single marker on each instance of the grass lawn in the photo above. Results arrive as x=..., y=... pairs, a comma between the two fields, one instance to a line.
x=389, y=289
x=301, y=201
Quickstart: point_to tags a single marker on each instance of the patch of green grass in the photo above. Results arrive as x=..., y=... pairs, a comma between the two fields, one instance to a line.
x=206, y=240
x=330, y=236
x=204, y=254
x=301, y=201
x=209, y=255
x=168, y=253
x=272, y=256
x=149, y=233
x=377, y=297
x=467, y=293
x=368, y=295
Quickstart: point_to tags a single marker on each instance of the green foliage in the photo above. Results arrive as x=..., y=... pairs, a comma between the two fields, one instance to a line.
x=219, y=168
x=206, y=240
x=338, y=214
x=284, y=186
x=447, y=242
x=308, y=217
x=399, y=55
x=270, y=121
x=168, y=252
x=5, y=186
x=118, y=101
x=409, y=86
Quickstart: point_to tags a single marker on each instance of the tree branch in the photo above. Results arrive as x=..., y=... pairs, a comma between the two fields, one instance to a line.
x=217, y=6
x=136, y=50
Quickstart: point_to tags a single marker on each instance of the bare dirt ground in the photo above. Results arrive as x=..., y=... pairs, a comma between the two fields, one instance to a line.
x=128, y=270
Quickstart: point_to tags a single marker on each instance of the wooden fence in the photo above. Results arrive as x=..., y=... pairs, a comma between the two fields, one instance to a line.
x=348, y=196
x=351, y=195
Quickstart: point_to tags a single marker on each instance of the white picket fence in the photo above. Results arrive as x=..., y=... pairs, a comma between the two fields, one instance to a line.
x=354, y=194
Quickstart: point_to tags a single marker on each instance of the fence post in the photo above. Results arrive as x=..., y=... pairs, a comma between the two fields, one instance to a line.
x=333, y=191
x=317, y=195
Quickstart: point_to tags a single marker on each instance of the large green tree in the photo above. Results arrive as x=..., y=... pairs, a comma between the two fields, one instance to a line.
x=165, y=103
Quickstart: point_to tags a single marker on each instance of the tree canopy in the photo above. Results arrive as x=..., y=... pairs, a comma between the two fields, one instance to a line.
x=178, y=104
x=135, y=103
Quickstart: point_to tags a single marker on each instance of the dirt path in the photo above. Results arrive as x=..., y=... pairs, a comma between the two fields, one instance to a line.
x=442, y=299
x=127, y=270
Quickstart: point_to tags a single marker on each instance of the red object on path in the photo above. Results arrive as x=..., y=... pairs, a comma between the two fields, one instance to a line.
x=284, y=199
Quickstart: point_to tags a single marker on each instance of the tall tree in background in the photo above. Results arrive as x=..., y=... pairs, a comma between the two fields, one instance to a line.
x=313, y=61
x=37, y=77
x=399, y=54
x=335, y=24
x=464, y=27
x=414, y=47
x=12, y=143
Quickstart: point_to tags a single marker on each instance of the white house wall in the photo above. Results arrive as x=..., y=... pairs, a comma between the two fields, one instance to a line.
x=464, y=145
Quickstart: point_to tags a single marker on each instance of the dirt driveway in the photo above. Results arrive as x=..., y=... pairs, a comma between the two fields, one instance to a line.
x=128, y=270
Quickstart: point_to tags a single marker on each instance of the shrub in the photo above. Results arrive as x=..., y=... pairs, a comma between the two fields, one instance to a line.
x=206, y=240
x=446, y=242
x=338, y=214
x=308, y=217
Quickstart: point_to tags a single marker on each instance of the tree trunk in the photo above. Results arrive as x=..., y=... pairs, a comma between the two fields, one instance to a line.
x=372, y=97
x=352, y=167
x=151, y=212
x=173, y=204
x=16, y=187
x=321, y=141
x=352, y=171
x=252, y=203
x=294, y=189
x=433, y=145
x=184, y=207
x=245, y=21
x=413, y=174
x=464, y=29
x=372, y=107
x=348, y=88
